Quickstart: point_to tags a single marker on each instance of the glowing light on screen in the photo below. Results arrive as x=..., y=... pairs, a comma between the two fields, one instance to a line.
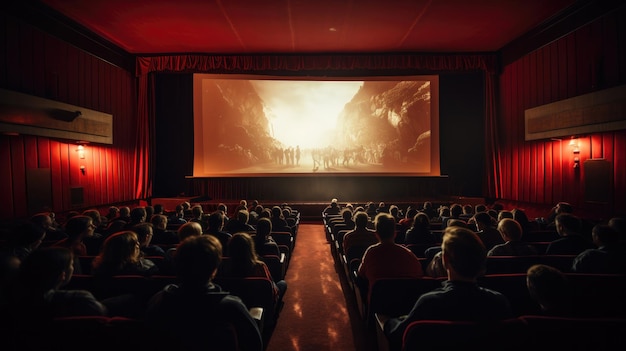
x=303, y=113
x=244, y=125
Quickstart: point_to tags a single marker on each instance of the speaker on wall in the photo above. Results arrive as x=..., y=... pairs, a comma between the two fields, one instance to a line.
x=598, y=180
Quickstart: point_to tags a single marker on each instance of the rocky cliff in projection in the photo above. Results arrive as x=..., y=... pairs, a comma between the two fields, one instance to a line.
x=283, y=126
x=240, y=130
x=389, y=122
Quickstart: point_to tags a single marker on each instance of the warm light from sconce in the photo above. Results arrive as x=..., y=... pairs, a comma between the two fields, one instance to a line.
x=574, y=144
x=81, y=151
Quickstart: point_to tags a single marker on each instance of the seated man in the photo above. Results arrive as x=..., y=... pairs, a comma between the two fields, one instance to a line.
x=386, y=259
x=196, y=314
x=460, y=298
x=511, y=232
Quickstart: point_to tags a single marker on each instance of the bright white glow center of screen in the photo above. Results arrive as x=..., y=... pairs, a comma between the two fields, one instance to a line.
x=304, y=113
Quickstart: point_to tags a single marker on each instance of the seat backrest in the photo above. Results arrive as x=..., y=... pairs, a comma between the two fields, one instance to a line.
x=436, y=335
x=513, y=286
x=396, y=296
x=253, y=291
x=275, y=266
x=567, y=333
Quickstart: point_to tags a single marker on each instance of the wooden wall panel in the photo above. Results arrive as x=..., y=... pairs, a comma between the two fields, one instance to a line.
x=38, y=64
x=541, y=171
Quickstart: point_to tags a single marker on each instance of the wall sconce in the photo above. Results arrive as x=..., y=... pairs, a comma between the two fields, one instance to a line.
x=573, y=143
x=82, y=169
x=81, y=151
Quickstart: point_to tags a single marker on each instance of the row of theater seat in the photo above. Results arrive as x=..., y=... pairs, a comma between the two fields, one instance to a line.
x=523, y=333
x=256, y=293
x=597, y=296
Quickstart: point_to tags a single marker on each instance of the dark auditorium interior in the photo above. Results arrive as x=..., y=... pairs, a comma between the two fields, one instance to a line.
x=512, y=107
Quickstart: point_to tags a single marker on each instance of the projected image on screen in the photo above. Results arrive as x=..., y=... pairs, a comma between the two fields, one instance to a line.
x=278, y=126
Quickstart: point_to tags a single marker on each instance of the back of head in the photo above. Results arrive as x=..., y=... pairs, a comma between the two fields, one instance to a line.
x=547, y=285
x=603, y=234
x=504, y=214
x=243, y=216
x=41, y=219
x=457, y=223
x=242, y=252
x=216, y=220
x=197, y=259
x=277, y=212
x=464, y=252
x=456, y=210
x=484, y=218
x=143, y=230
x=159, y=221
x=346, y=214
x=569, y=223
x=619, y=225
x=124, y=211
x=564, y=207
x=118, y=249
x=196, y=211
x=263, y=227
x=510, y=228
x=159, y=209
x=138, y=214
x=411, y=212
x=77, y=225
x=385, y=225
x=361, y=219
x=95, y=216
x=189, y=229
x=421, y=221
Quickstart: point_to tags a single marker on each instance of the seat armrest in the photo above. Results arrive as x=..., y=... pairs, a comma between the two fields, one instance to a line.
x=381, y=338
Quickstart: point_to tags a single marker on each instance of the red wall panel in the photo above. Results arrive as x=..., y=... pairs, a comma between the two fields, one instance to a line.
x=38, y=64
x=541, y=171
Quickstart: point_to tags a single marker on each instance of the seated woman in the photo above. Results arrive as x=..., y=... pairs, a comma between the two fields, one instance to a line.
x=121, y=255
x=245, y=262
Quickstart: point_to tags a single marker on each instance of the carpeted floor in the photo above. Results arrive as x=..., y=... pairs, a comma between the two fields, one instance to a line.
x=317, y=314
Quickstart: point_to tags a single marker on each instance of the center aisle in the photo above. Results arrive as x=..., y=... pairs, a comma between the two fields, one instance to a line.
x=316, y=314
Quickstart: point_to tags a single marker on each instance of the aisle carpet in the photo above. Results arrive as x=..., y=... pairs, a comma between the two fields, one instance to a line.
x=317, y=315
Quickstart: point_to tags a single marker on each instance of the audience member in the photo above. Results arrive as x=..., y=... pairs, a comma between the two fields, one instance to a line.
x=24, y=238
x=332, y=209
x=215, y=227
x=263, y=241
x=41, y=278
x=145, y=234
x=161, y=235
x=77, y=228
x=460, y=298
x=245, y=262
x=178, y=217
x=386, y=259
x=184, y=314
x=511, y=232
x=113, y=213
x=608, y=256
x=125, y=214
x=121, y=255
x=550, y=289
x=239, y=223
x=489, y=234
x=44, y=221
x=419, y=233
x=571, y=242
x=137, y=215
x=361, y=235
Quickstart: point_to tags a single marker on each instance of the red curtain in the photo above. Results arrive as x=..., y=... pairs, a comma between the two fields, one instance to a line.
x=146, y=66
